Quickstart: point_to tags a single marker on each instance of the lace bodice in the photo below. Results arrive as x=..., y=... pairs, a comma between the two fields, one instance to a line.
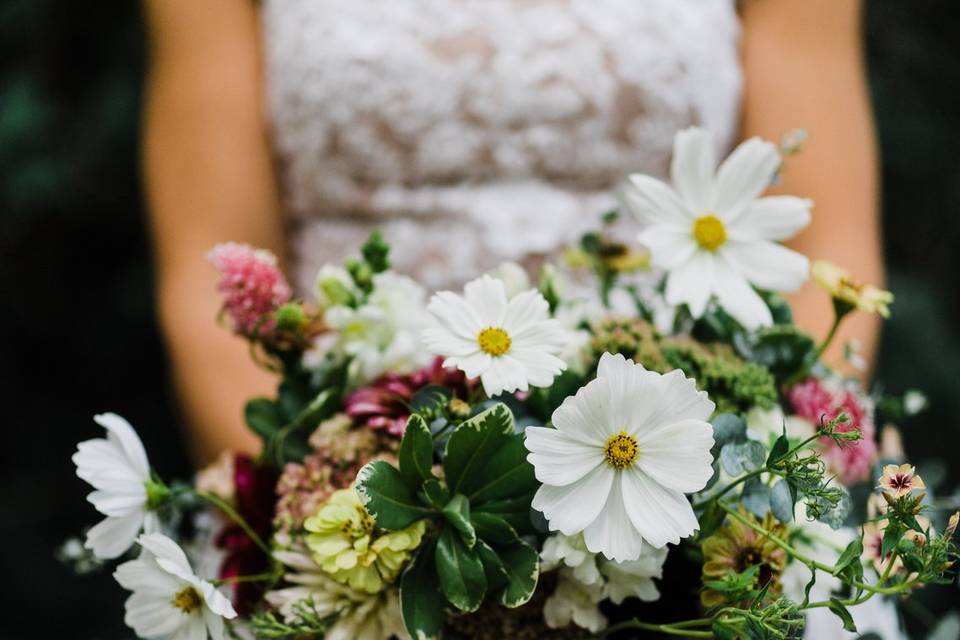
x=473, y=131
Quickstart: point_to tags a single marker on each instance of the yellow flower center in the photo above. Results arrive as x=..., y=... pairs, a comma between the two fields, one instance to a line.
x=621, y=450
x=494, y=341
x=709, y=232
x=187, y=600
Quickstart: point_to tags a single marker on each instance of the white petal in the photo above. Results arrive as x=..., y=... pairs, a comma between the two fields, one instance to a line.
x=669, y=247
x=612, y=533
x=216, y=602
x=547, y=335
x=488, y=298
x=692, y=167
x=678, y=455
x=119, y=503
x=585, y=416
x=738, y=298
x=151, y=616
x=192, y=628
x=768, y=265
x=169, y=556
x=571, y=508
x=558, y=459
x=743, y=176
x=504, y=374
x=654, y=202
x=675, y=398
x=128, y=440
x=456, y=315
x=443, y=342
x=771, y=218
x=472, y=365
x=661, y=515
x=524, y=310
x=114, y=535
x=540, y=368
x=214, y=624
x=692, y=283
x=144, y=576
x=631, y=393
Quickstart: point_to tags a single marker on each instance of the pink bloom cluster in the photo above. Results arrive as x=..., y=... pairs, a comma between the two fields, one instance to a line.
x=814, y=400
x=251, y=284
x=385, y=403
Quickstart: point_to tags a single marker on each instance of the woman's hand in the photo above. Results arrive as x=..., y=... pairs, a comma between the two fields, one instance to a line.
x=804, y=68
x=208, y=180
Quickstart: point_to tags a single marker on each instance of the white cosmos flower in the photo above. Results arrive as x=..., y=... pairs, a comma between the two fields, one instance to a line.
x=117, y=468
x=624, y=451
x=168, y=600
x=713, y=234
x=510, y=344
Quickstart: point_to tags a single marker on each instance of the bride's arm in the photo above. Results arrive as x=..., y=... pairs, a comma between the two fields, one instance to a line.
x=208, y=180
x=804, y=68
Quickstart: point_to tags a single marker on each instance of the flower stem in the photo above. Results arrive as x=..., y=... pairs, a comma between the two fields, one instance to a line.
x=236, y=517
x=259, y=577
x=673, y=629
x=830, y=335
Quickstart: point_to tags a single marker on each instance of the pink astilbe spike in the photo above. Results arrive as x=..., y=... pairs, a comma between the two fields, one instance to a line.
x=252, y=286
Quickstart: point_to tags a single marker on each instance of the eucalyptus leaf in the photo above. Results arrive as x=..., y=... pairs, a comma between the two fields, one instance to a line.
x=727, y=428
x=739, y=458
x=756, y=497
x=781, y=501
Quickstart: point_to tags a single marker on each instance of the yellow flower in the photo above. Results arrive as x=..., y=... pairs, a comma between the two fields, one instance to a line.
x=844, y=289
x=346, y=544
x=736, y=547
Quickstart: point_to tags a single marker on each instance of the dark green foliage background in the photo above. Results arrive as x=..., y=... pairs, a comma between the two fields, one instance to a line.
x=77, y=327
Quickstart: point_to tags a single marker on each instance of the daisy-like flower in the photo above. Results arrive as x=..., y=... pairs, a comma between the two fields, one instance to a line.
x=117, y=468
x=713, y=234
x=900, y=481
x=737, y=547
x=624, y=451
x=168, y=600
x=509, y=344
x=848, y=292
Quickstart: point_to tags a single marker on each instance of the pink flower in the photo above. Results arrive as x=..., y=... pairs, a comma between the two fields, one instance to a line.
x=815, y=400
x=251, y=284
x=385, y=403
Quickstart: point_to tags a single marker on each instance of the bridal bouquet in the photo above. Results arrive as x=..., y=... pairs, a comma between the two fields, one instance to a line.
x=538, y=461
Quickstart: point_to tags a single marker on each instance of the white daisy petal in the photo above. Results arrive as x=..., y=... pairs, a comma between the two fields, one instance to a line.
x=526, y=309
x=472, y=365
x=768, y=265
x=612, y=533
x=571, y=508
x=119, y=503
x=669, y=247
x=127, y=438
x=692, y=283
x=661, y=515
x=655, y=203
x=558, y=459
x=585, y=416
x=487, y=296
x=771, y=218
x=151, y=617
x=676, y=398
x=738, y=298
x=112, y=536
x=692, y=167
x=443, y=340
x=214, y=624
x=456, y=315
x=678, y=455
x=547, y=335
x=743, y=176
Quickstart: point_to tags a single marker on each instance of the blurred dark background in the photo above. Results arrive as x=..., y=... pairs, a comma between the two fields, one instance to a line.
x=78, y=333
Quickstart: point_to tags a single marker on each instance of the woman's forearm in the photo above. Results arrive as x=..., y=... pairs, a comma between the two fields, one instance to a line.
x=208, y=180
x=804, y=68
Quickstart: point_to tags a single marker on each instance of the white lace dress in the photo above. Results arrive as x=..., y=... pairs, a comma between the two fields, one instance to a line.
x=474, y=131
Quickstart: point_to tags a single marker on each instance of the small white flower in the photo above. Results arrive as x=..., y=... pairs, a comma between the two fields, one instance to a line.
x=117, y=468
x=510, y=344
x=634, y=578
x=333, y=287
x=383, y=335
x=359, y=615
x=624, y=451
x=713, y=234
x=168, y=600
x=576, y=602
x=515, y=278
x=572, y=552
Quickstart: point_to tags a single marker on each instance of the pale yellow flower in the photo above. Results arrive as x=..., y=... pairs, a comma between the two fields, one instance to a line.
x=346, y=544
x=842, y=287
x=899, y=481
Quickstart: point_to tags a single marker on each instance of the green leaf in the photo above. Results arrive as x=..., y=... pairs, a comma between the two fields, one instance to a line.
x=806, y=589
x=388, y=499
x=505, y=474
x=728, y=428
x=264, y=417
x=515, y=511
x=851, y=554
x=756, y=497
x=462, y=577
x=711, y=519
x=891, y=536
x=493, y=566
x=416, y=452
x=738, y=458
x=781, y=501
x=435, y=494
x=779, y=449
x=493, y=529
x=543, y=401
x=472, y=444
x=841, y=612
x=430, y=398
x=420, y=596
x=522, y=563
x=457, y=513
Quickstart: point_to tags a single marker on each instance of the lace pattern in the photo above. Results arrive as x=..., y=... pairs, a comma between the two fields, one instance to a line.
x=473, y=131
